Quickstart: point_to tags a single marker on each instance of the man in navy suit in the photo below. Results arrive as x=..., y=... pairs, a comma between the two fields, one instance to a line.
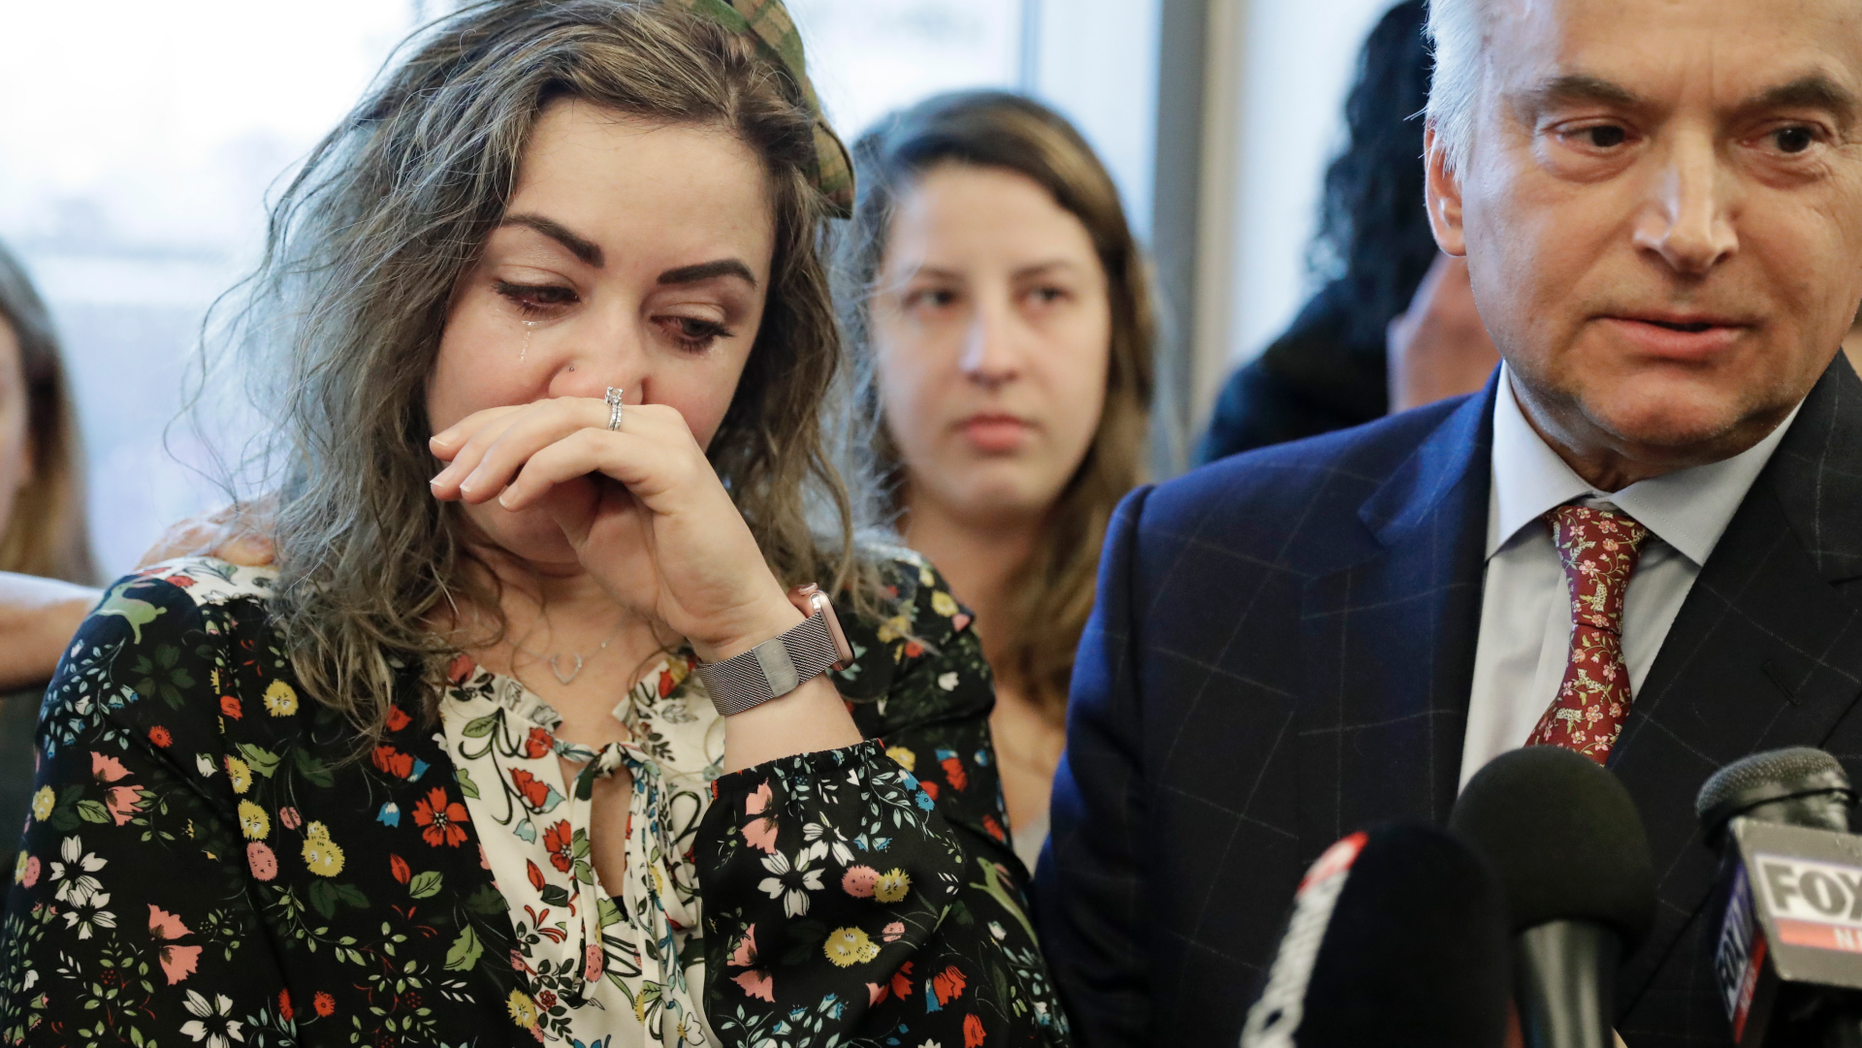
x=1660, y=203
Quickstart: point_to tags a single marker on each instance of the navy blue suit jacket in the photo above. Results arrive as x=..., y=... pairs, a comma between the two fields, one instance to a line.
x=1283, y=651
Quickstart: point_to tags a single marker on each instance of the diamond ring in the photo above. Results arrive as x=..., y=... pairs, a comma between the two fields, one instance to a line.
x=614, y=408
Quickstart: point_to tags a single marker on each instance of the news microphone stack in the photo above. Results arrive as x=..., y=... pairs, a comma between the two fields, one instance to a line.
x=1788, y=960
x=1573, y=860
x=1397, y=939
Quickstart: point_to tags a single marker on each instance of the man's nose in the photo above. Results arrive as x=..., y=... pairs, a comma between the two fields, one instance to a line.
x=1688, y=221
x=992, y=351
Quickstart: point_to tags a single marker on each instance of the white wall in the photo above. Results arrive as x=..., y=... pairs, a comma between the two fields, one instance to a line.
x=1299, y=57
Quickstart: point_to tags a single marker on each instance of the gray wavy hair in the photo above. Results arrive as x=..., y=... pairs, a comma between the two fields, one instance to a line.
x=342, y=322
x=1457, y=37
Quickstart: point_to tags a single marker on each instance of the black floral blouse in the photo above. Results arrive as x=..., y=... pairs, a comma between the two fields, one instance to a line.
x=211, y=859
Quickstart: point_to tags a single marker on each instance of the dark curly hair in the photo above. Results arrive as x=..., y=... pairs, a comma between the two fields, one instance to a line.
x=1374, y=243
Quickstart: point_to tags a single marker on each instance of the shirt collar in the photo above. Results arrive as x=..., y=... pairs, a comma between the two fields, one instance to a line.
x=1688, y=509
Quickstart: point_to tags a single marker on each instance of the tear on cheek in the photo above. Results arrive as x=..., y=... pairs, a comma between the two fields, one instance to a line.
x=523, y=349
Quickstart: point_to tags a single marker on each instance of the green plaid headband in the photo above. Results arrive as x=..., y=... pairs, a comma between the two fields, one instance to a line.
x=768, y=23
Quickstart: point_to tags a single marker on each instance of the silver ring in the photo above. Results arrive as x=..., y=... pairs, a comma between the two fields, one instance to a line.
x=614, y=408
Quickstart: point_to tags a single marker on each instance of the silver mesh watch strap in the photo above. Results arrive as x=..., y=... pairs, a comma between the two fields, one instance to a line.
x=773, y=668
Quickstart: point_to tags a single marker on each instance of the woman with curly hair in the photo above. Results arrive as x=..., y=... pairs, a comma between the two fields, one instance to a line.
x=543, y=725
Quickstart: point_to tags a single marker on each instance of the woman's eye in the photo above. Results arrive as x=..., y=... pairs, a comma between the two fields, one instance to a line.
x=931, y=298
x=694, y=334
x=1793, y=139
x=536, y=298
x=1047, y=295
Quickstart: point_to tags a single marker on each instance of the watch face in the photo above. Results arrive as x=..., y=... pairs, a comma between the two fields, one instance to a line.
x=825, y=608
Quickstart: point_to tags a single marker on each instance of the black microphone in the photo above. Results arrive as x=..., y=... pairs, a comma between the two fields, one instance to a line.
x=1573, y=859
x=1799, y=786
x=1397, y=938
x=1788, y=960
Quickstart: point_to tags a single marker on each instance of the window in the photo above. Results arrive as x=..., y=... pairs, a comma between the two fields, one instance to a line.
x=1300, y=61
x=136, y=145
x=870, y=57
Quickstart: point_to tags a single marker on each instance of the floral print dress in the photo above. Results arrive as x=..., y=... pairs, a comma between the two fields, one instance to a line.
x=213, y=859
x=593, y=953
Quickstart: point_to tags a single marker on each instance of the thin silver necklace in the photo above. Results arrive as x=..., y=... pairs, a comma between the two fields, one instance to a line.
x=555, y=661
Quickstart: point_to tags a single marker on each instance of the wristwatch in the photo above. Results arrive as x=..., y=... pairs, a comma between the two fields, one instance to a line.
x=778, y=666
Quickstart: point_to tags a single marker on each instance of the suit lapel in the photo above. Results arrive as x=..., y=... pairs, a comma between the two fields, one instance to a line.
x=1388, y=643
x=1766, y=652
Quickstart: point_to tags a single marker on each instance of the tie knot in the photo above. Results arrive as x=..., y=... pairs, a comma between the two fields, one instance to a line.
x=1599, y=548
x=601, y=764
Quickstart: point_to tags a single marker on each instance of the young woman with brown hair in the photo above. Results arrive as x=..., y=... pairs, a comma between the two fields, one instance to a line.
x=45, y=556
x=534, y=730
x=47, y=574
x=41, y=455
x=1003, y=313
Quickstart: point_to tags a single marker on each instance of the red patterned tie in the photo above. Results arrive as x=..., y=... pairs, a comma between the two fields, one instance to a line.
x=1599, y=548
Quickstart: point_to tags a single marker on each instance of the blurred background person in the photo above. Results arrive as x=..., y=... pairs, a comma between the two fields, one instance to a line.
x=41, y=453
x=48, y=576
x=1002, y=312
x=45, y=556
x=1395, y=326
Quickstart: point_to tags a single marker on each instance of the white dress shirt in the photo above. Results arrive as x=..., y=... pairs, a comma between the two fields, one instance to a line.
x=1525, y=633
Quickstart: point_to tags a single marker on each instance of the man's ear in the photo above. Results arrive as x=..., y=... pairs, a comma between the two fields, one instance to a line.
x=1442, y=191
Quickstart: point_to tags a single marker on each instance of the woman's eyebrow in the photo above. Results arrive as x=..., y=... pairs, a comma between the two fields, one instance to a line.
x=723, y=267
x=581, y=247
x=932, y=272
x=1035, y=269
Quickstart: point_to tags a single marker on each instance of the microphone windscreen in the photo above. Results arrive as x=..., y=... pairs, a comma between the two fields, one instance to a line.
x=1412, y=949
x=1796, y=773
x=1565, y=838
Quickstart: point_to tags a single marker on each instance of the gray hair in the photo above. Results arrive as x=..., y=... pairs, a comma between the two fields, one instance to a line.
x=364, y=248
x=1456, y=29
